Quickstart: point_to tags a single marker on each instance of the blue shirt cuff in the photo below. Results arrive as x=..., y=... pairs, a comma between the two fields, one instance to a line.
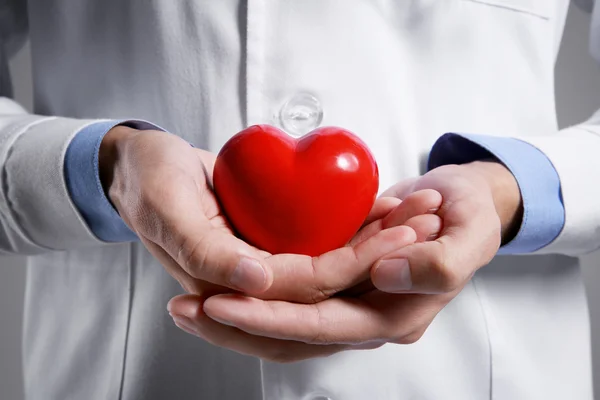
x=539, y=183
x=84, y=185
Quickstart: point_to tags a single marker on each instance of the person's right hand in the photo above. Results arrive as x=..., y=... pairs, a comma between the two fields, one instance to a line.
x=161, y=187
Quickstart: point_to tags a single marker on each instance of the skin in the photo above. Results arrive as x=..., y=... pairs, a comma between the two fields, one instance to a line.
x=435, y=231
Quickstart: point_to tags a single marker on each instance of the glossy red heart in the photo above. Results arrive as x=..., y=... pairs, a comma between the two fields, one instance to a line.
x=303, y=196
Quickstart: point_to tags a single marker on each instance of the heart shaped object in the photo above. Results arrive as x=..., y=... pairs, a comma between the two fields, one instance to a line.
x=302, y=196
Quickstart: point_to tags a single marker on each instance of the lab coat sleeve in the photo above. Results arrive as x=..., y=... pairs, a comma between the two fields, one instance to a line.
x=36, y=211
x=575, y=155
x=558, y=183
x=562, y=200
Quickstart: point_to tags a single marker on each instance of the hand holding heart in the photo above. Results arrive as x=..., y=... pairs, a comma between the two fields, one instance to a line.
x=161, y=187
x=413, y=283
x=293, y=330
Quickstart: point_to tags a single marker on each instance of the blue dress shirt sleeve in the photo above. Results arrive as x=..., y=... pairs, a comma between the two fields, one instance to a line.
x=83, y=181
x=539, y=183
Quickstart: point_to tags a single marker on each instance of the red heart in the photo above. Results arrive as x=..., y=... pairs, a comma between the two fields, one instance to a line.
x=303, y=196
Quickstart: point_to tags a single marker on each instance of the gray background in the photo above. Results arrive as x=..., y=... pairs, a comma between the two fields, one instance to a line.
x=578, y=91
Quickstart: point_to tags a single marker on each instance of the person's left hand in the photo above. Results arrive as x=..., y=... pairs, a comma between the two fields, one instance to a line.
x=481, y=202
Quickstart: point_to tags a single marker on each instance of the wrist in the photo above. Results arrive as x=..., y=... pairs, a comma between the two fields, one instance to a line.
x=109, y=156
x=505, y=193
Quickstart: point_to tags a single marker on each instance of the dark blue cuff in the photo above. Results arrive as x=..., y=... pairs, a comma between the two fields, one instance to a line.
x=83, y=181
x=539, y=183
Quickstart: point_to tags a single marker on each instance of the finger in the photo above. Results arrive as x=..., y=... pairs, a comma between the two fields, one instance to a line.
x=188, y=315
x=298, y=322
x=308, y=280
x=427, y=226
x=366, y=232
x=346, y=321
x=187, y=282
x=465, y=244
x=382, y=207
x=372, y=224
x=421, y=202
x=220, y=258
x=402, y=189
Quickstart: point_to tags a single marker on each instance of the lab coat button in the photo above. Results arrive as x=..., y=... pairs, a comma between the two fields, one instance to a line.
x=301, y=114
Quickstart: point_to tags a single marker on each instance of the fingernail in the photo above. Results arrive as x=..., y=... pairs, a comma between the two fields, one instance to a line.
x=187, y=309
x=249, y=275
x=433, y=210
x=185, y=324
x=395, y=275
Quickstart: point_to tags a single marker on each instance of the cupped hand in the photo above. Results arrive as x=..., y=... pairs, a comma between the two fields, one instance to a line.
x=161, y=187
x=280, y=325
x=481, y=207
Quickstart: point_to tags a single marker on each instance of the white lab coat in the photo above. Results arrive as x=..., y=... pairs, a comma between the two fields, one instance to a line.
x=399, y=74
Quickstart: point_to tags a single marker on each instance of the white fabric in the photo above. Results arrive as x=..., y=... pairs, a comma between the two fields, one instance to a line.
x=399, y=74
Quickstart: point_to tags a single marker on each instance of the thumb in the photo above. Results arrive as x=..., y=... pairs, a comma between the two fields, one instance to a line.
x=175, y=221
x=429, y=267
x=469, y=240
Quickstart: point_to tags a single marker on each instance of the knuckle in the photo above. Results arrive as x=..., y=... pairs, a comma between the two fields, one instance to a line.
x=325, y=284
x=317, y=292
x=450, y=281
x=448, y=277
x=317, y=321
x=463, y=209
